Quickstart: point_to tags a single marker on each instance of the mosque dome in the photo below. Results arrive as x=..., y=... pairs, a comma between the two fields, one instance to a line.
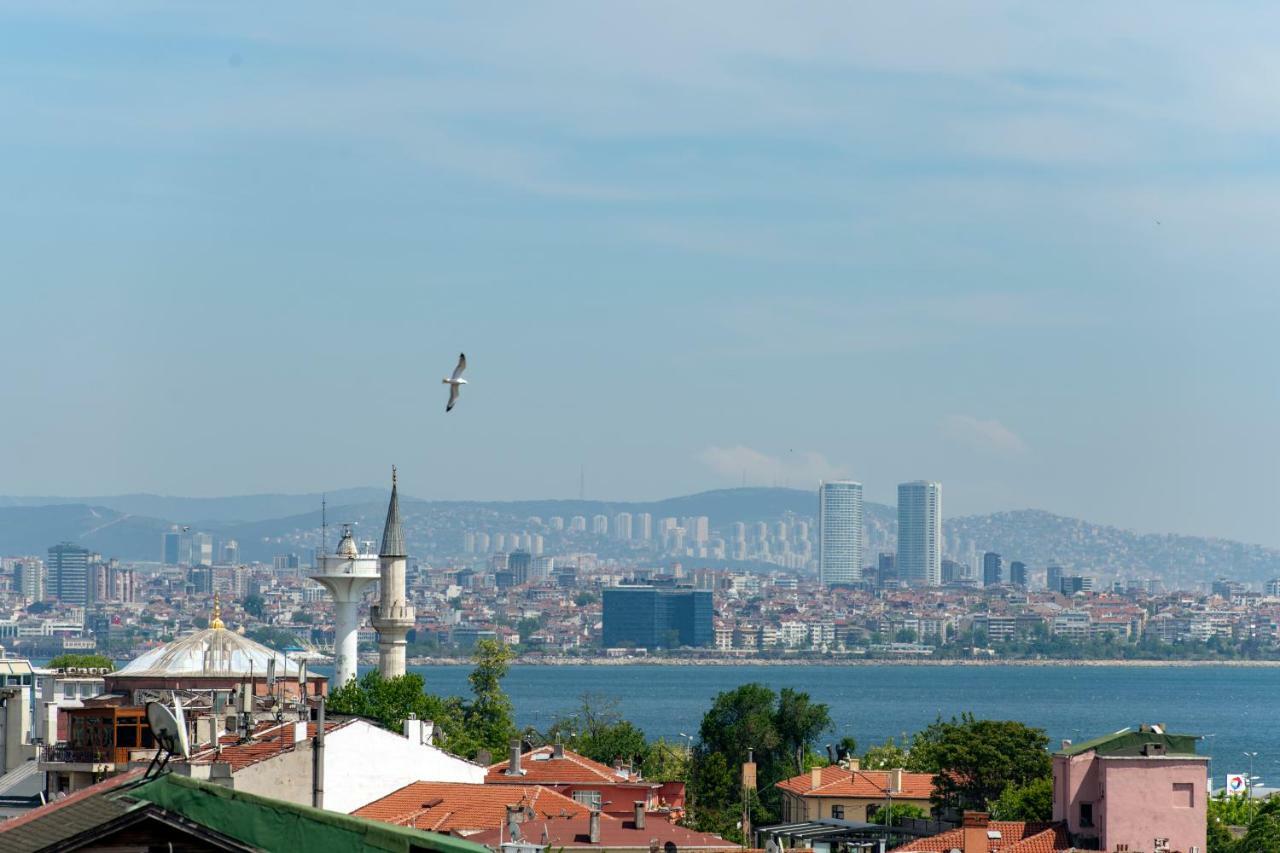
x=212, y=652
x=215, y=652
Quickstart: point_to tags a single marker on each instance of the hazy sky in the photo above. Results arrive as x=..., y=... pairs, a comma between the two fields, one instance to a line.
x=1029, y=250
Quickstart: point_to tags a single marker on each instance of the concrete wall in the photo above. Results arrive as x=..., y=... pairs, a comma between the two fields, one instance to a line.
x=1075, y=781
x=364, y=763
x=286, y=777
x=1150, y=798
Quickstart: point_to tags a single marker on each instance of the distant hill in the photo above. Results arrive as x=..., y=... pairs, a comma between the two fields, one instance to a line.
x=129, y=527
x=207, y=510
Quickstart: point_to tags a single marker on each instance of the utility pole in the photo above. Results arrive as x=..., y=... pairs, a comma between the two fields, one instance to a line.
x=748, y=786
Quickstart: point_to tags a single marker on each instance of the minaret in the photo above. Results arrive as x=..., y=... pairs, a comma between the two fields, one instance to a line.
x=393, y=616
x=346, y=574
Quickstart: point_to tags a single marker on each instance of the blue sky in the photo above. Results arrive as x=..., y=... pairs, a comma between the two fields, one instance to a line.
x=1027, y=250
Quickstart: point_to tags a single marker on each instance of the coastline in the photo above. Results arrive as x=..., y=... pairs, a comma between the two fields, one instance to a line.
x=763, y=662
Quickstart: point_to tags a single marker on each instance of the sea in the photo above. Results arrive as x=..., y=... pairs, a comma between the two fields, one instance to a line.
x=1234, y=709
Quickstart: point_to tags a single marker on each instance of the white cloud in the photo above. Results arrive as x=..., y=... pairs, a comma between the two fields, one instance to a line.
x=794, y=468
x=990, y=436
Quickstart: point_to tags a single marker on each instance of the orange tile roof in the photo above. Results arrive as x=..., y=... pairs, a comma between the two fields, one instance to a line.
x=838, y=782
x=541, y=768
x=571, y=833
x=459, y=806
x=1015, y=837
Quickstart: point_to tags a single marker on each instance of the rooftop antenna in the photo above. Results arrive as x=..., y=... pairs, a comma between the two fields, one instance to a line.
x=324, y=525
x=582, y=482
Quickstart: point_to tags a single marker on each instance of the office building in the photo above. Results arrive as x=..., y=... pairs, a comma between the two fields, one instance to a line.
x=1053, y=578
x=920, y=533
x=230, y=553
x=171, y=548
x=1072, y=584
x=1018, y=573
x=519, y=563
x=992, y=569
x=68, y=573
x=657, y=618
x=201, y=549
x=952, y=571
x=840, y=532
x=29, y=580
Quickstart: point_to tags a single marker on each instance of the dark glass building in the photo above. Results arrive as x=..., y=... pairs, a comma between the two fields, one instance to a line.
x=1018, y=573
x=992, y=569
x=652, y=618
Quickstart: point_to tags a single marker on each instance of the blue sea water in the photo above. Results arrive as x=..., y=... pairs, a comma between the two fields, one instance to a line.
x=1234, y=708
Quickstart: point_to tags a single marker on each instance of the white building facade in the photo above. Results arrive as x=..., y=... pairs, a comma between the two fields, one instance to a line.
x=919, y=560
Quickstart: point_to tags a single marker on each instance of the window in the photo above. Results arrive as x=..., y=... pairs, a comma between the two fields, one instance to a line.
x=1086, y=814
x=1184, y=796
x=837, y=812
x=68, y=690
x=1161, y=845
x=590, y=799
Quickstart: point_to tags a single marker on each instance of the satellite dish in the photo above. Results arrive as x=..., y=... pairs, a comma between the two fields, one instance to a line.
x=169, y=727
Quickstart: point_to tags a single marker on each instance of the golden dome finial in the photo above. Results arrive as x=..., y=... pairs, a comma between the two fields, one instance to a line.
x=216, y=622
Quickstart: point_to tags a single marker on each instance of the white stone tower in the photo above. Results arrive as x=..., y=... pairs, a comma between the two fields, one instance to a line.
x=393, y=615
x=346, y=573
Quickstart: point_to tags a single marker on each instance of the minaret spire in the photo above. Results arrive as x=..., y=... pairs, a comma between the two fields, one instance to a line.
x=393, y=615
x=392, y=533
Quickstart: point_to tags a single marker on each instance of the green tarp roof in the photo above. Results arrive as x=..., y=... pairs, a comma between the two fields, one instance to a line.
x=1130, y=744
x=275, y=825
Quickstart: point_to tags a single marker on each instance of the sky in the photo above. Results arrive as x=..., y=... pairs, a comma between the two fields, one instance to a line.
x=1027, y=250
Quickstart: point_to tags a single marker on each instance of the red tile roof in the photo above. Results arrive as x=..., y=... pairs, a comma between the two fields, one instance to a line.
x=539, y=767
x=572, y=833
x=870, y=784
x=1015, y=837
x=267, y=742
x=459, y=807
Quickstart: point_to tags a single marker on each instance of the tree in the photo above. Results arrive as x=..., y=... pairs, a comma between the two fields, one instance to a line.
x=974, y=760
x=253, y=605
x=1030, y=802
x=389, y=702
x=899, y=811
x=885, y=756
x=1264, y=831
x=71, y=661
x=598, y=731
x=780, y=730
x=488, y=717
x=465, y=728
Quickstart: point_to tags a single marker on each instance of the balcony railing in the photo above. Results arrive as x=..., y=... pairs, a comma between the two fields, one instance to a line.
x=64, y=754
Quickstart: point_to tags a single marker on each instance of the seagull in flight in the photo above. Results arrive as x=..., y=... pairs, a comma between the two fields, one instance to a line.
x=455, y=382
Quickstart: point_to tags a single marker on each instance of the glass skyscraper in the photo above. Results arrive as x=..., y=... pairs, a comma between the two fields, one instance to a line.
x=657, y=618
x=840, y=532
x=919, y=558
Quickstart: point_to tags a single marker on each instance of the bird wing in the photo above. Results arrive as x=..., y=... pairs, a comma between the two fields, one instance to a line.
x=462, y=365
x=453, y=397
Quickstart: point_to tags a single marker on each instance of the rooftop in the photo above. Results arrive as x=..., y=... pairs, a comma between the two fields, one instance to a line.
x=837, y=781
x=540, y=766
x=1128, y=743
x=458, y=807
x=1002, y=835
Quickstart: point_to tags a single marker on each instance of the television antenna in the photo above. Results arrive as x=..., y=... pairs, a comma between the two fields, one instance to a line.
x=169, y=728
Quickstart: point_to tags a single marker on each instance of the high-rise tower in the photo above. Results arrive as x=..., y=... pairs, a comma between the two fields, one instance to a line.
x=919, y=558
x=393, y=615
x=840, y=532
x=346, y=573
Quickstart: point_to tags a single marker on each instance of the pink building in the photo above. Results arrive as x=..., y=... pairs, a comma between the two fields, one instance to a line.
x=1138, y=790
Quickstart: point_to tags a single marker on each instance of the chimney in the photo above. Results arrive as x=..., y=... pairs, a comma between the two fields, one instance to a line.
x=852, y=763
x=815, y=778
x=895, y=781
x=513, y=822
x=975, y=832
x=594, y=827
x=413, y=728
x=513, y=765
x=1066, y=744
x=639, y=814
x=557, y=751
